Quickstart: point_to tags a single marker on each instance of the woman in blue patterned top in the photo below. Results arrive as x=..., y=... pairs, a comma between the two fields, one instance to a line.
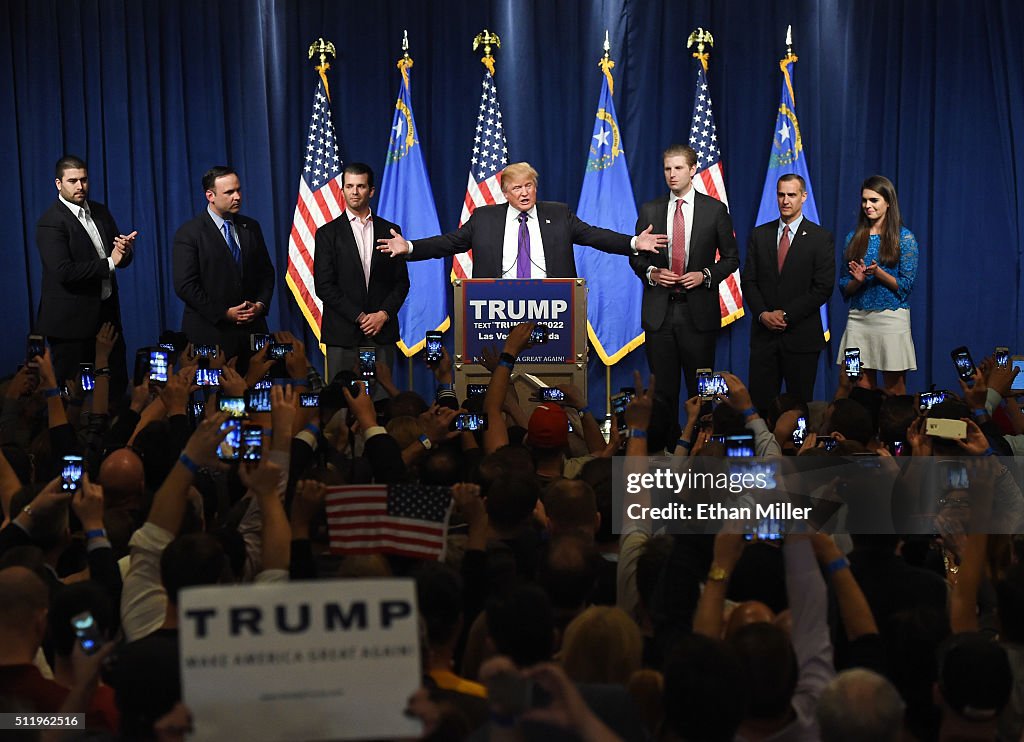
x=881, y=262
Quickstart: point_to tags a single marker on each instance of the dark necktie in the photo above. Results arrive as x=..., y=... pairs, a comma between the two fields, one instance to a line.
x=229, y=236
x=783, y=246
x=523, y=256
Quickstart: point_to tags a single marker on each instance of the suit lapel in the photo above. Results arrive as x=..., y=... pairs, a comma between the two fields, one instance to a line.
x=216, y=237
x=78, y=228
x=547, y=239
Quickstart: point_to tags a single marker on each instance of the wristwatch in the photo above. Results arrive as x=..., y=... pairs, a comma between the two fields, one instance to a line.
x=717, y=574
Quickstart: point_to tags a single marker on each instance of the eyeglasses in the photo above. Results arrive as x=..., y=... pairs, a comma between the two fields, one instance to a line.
x=954, y=502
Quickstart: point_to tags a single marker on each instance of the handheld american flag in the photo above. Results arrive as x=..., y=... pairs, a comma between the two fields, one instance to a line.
x=319, y=201
x=490, y=155
x=710, y=180
x=407, y=519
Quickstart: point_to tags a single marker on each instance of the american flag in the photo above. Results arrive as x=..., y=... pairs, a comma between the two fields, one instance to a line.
x=490, y=156
x=711, y=181
x=407, y=519
x=319, y=201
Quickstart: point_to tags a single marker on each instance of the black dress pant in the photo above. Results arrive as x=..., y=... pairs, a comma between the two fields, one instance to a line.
x=771, y=364
x=676, y=350
x=67, y=354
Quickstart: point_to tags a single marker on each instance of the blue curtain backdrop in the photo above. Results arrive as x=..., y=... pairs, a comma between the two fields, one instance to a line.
x=151, y=94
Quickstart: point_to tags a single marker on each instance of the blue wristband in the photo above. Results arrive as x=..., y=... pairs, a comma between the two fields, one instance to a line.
x=978, y=411
x=836, y=565
x=634, y=433
x=684, y=444
x=96, y=533
x=750, y=411
x=506, y=364
x=989, y=452
x=48, y=393
x=189, y=463
x=312, y=429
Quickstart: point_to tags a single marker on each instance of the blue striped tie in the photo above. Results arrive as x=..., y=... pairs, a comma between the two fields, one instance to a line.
x=236, y=252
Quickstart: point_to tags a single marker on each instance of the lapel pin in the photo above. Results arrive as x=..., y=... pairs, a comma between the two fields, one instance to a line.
x=547, y=221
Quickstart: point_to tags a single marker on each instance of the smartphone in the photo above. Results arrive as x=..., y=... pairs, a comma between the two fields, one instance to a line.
x=475, y=390
x=204, y=351
x=470, y=421
x=87, y=377
x=704, y=384
x=767, y=529
x=718, y=386
x=279, y=350
x=35, y=346
x=896, y=448
x=197, y=408
x=953, y=475
x=309, y=399
x=264, y=383
x=230, y=448
x=257, y=400
x=207, y=377
x=740, y=446
x=1002, y=355
x=71, y=473
x=141, y=368
x=252, y=443
x=801, y=431
x=433, y=346
x=368, y=362
x=539, y=336
x=949, y=429
x=963, y=362
x=851, y=360
x=234, y=406
x=158, y=366
x=550, y=394
x=1018, y=382
x=827, y=442
x=257, y=341
x=619, y=403
x=87, y=632
x=930, y=399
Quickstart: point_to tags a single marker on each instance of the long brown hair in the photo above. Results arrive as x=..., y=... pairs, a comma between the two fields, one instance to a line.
x=889, y=249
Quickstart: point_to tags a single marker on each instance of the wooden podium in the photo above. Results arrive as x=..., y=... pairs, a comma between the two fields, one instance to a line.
x=486, y=309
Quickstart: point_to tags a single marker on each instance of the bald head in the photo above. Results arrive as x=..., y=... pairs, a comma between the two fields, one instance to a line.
x=122, y=477
x=860, y=705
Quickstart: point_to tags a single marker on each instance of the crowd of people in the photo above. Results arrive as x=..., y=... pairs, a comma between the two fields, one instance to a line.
x=638, y=635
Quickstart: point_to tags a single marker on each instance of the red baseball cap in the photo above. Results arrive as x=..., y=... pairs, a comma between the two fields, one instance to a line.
x=548, y=427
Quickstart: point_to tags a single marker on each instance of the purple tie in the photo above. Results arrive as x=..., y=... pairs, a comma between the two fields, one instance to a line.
x=523, y=258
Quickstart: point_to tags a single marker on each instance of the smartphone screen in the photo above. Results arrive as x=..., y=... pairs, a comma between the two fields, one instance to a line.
x=279, y=350
x=469, y=421
x=800, y=433
x=739, y=446
x=851, y=359
x=257, y=341
x=1018, y=381
x=87, y=632
x=158, y=366
x=252, y=443
x=550, y=394
x=619, y=403
x=539, y=336
x=963, y=362
x=1002, y=355
x=433, y=347
x=207, y=377
x=230, y=448
x=475, y=390
x=35, y=346
x=88, y=377
x=309, y=399
x=204, y=351
x=368, y=363
x=71, y=473
x=257, y=400
x=234, y=406
x=704, y=384
x=827, y=443
x=930, y=399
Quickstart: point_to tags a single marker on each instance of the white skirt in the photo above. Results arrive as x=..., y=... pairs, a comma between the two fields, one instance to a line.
x=883, y=337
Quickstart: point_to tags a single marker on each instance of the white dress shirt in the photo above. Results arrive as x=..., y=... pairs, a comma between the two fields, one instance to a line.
x=362, y=230
x=84, y=216
x=510, y=245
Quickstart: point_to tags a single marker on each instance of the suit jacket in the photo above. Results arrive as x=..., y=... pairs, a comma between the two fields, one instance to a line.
x=209, y=281
x=484, y=233
x=73, y=273
x=805, y=283
x=711, y=230
x=338, y=278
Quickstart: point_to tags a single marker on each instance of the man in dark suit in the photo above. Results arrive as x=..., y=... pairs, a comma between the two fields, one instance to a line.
x=222, y=270
x=523, y=238
x=81, y=248
x=361, y=289
x=680, y=311
x=789, y=274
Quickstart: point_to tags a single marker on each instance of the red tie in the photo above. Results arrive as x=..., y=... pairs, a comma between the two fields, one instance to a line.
x=783, y=246
x=679, y=240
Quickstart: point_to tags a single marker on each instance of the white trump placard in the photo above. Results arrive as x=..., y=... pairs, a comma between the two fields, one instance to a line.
x=330, y=659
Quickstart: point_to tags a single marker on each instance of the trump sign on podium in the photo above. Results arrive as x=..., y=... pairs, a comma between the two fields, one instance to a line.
x=331, y=659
